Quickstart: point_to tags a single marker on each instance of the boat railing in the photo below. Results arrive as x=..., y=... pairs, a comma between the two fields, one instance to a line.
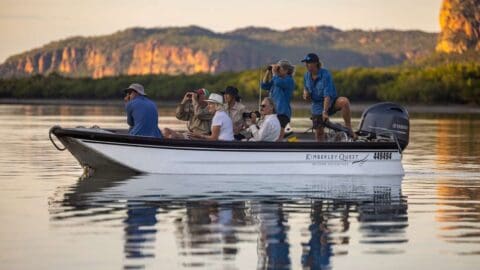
x=390, y=134
x=50, y=132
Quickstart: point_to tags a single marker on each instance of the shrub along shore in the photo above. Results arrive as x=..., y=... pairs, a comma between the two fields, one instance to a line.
x=451, y=83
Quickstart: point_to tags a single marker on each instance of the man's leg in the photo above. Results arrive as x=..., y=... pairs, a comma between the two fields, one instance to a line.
x=317, y=124
x=319, y=134
x=284, y=120
x=171, y=134
x=282, y=133
x=343, y=104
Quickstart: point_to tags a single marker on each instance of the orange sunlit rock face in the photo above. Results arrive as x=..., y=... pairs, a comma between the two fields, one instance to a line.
x=98, y=64
x=67, y=65
x=29, y=66
x=460, y=26
x=151, y=57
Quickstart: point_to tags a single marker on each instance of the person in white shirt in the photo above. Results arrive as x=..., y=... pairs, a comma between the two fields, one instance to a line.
x=222, y=126
x=268, y=128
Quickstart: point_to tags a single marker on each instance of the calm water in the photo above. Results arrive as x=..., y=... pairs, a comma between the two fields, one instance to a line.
x=52, y=219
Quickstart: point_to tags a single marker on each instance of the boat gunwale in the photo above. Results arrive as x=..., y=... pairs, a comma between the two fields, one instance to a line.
x=172, y=143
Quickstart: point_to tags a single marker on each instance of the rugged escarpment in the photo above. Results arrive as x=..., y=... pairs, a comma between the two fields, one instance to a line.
x=189, y=50
x=460, y=26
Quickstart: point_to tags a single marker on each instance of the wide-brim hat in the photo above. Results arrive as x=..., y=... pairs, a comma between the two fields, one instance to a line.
x=137, y=88
x=215, y=98
x=230, y=90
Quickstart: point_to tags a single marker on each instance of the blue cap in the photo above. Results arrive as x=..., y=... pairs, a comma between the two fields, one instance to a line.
x=311, y=58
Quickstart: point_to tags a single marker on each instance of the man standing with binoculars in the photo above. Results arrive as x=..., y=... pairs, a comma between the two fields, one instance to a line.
x=278, y=81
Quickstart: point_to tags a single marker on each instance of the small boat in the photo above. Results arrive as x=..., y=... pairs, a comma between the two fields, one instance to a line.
x=383, y=135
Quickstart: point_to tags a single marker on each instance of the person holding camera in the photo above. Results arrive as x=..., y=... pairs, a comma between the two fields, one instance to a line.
x=235, y=109
x=268, y=128
x=278, y=80
x=222, y=125
x=142, y=114
x=192, y=109
x=320, y=90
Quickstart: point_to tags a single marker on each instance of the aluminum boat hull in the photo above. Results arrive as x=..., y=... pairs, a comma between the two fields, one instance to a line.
x=116, y=152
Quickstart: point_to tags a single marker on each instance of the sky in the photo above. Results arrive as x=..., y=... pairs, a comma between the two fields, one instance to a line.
x=28, y=24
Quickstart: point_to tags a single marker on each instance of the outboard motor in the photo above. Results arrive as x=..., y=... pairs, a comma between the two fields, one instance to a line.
x=386, y=120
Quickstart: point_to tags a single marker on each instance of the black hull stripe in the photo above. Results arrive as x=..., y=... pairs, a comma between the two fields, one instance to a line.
x=112, y=138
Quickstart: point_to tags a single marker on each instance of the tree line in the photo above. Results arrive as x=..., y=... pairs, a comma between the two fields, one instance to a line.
x=442, y=84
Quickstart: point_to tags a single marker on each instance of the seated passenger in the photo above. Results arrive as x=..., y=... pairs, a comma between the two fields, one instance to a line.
x=268, y=128
x=142, y=115
x=222, y=125
x=235, y=110
x=193, y=109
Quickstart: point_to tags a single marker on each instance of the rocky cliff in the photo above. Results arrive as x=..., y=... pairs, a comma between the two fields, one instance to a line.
x=188, y=50
x=460, y=26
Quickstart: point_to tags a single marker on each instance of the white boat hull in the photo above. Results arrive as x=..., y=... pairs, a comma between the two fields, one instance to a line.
x=165, y=160
x=107, y=151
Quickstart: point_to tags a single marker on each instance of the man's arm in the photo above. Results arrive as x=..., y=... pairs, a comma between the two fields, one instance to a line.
x=283, y=83
x=261, y=130
x=267, y=77
x=267, y=80
x=306, y=94
x=266, y=86
x=326, y=106
x=202, y=113
x=181, y=112
x=240, y=125
x=265, y=130
x=129, y=110
x=257, y=133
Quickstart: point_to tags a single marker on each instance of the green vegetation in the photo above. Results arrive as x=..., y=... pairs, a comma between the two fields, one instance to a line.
x=446, y=83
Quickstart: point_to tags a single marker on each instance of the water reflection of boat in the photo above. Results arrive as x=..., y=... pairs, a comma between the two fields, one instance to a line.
x=214, y=216
x=384, y=133
x=188, y=187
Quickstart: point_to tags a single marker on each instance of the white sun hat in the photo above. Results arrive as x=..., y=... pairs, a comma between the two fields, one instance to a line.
x=215, y=98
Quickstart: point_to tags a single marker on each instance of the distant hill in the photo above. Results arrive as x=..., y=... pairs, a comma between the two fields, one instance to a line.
x=189, y=50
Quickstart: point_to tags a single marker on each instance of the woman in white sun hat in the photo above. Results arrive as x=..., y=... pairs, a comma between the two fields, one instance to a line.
x=222, y=126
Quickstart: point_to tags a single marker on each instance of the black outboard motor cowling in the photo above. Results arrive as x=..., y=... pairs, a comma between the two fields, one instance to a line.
x=384, y=120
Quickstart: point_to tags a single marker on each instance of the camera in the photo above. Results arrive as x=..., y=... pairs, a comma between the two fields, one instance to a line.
x=249, y=114
x=269, y=68
x=189, y=95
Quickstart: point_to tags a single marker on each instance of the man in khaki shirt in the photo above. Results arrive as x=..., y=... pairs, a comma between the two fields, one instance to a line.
x=235, y=110
x=193, y=109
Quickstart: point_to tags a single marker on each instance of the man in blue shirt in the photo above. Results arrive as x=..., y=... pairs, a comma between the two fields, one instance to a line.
x=279, y=82
x=319, y=88
x=142, y=115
